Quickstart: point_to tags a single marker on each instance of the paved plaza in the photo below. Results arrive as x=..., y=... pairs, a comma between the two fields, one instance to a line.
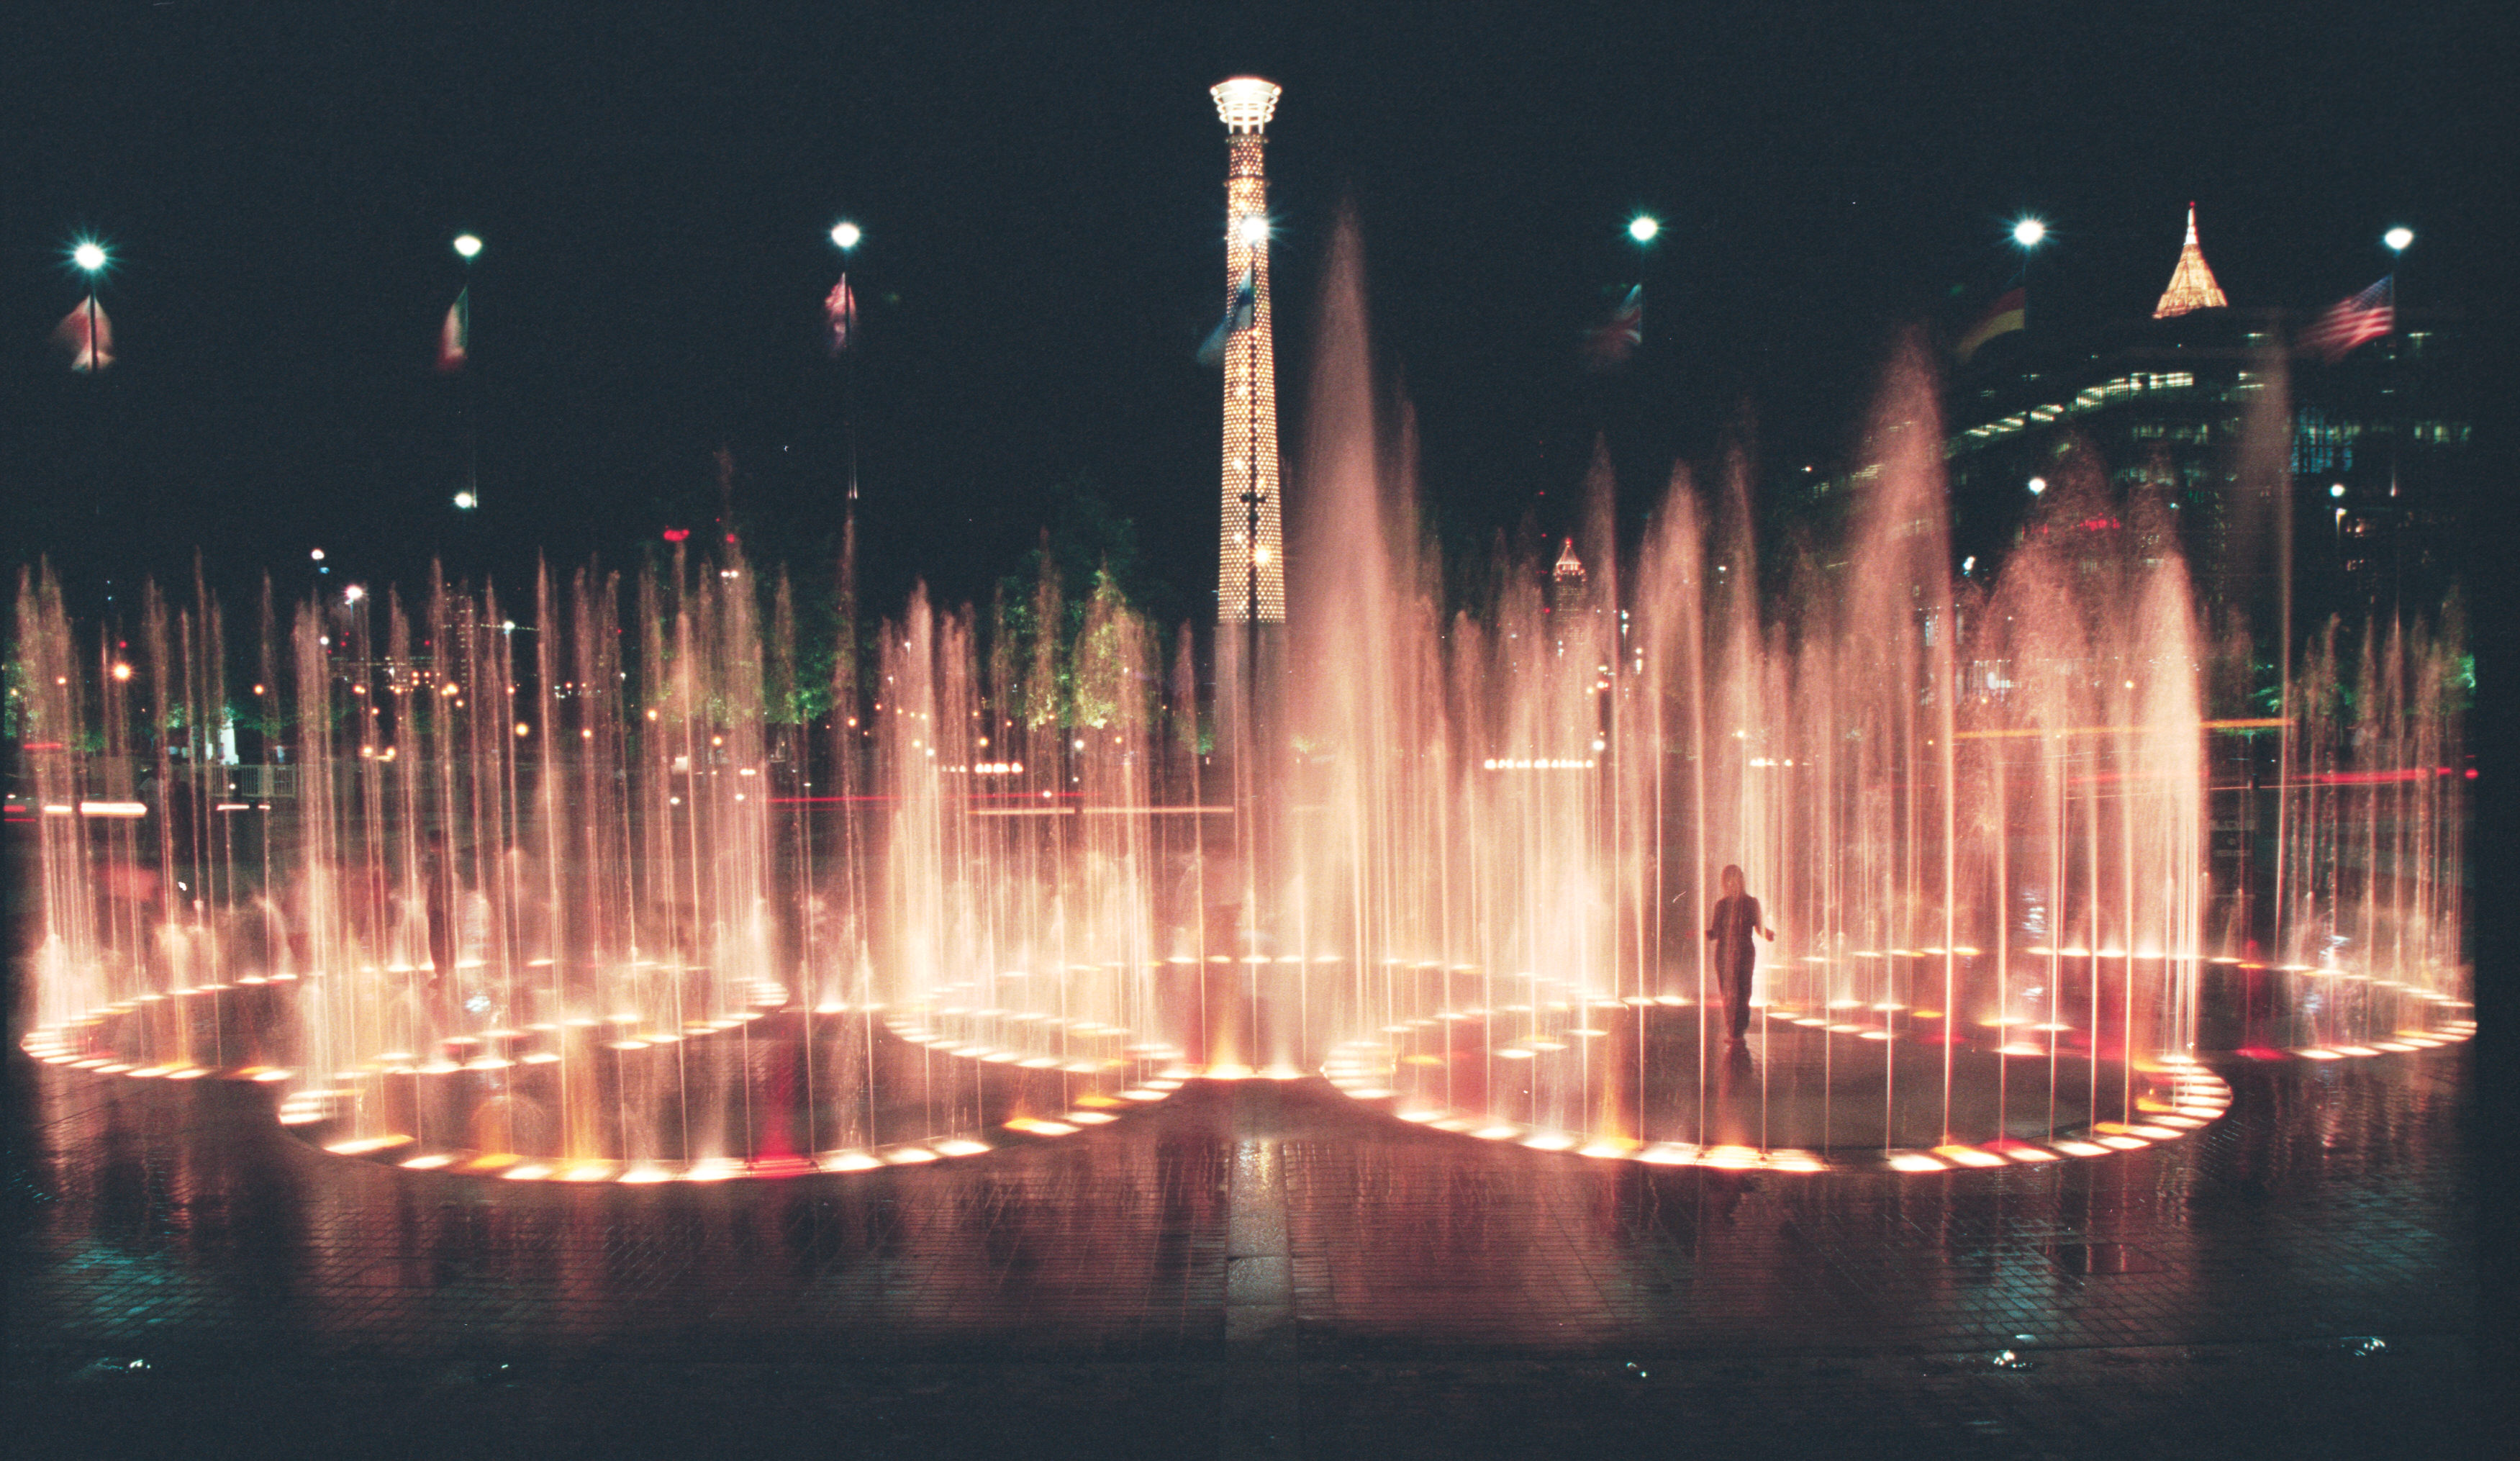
x=1253, y=1269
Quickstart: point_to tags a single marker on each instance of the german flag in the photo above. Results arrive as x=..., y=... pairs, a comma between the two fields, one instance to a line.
x=2003, y=317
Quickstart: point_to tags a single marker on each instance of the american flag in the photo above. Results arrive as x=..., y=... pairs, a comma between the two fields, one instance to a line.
x=1616, y=338
x=2368, y=315
x=840, y=311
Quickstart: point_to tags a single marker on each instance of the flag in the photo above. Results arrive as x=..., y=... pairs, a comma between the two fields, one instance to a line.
x=455, y=336
x=840, y=311
x=1237, y=318
x=1615, y=338
x=88, y=335
x=2366, y=316
x=2005, y=316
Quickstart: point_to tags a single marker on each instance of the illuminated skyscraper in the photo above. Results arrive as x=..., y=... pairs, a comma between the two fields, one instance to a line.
x=1251, y=567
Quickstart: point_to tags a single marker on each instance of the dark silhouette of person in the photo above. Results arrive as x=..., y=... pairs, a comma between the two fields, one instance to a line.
x=437, y=872
x=1736, y=918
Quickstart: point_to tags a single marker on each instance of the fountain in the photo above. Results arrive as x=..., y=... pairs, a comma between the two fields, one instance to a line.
x=618, y=894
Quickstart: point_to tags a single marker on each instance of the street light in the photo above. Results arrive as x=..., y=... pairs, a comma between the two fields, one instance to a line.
x=843, y=309
x=89, y=255
x=2038, y=484
x=1644, y=227
x=2028, y=233
x=2398, y=238
x=459, y=324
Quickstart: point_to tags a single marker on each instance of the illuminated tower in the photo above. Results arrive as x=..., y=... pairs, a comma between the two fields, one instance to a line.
x=2192, y=284
x=1251, y=565
x=1566, y=581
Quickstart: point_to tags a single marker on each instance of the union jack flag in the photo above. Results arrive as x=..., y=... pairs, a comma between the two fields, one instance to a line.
x=2366, y=316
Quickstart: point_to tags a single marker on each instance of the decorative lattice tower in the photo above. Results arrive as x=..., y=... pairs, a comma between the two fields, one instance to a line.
x=2192, y=284
x=1251, y=562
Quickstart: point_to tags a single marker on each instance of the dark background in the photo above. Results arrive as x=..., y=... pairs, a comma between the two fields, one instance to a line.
x=1040, y=190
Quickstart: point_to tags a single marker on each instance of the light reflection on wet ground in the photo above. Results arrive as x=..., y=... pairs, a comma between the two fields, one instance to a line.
x=1257, y=1269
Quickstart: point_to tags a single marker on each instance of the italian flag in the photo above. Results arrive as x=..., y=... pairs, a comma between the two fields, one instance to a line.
x=455, y=336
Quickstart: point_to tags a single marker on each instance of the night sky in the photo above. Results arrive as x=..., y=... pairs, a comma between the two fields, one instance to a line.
x=1040, y=188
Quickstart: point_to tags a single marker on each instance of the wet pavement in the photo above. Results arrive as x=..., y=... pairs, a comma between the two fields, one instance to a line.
x=1253, y=1269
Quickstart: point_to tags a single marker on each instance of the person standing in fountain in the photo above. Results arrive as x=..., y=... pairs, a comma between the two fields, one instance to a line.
x=1736, y=918
x=437, y=870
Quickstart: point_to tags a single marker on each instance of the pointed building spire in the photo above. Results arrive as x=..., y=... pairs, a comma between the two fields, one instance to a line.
x=1567, y=582
x=2192, y=284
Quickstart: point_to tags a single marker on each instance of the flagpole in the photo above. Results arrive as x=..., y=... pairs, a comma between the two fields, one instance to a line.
x=92, y=259
x=468, y=247
x=2397, y=239
x=845, y=237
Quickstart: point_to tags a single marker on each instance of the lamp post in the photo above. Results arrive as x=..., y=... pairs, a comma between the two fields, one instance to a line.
x=2396, y=239
x=91, y=258
x=2028, y=233
x=845, y=237
x=468, y=247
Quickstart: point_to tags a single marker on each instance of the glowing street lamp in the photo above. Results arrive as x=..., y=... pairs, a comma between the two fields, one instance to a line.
x=845, y=235
x=1643, y=228
x=466, y=247
x=2029, y=233
x=2398, y=238
x=89, y=255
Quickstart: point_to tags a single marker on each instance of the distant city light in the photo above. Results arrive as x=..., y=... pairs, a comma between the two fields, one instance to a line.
x=88, y=255
x=467, y=501
x=353, y=594
x=2336, y=489
x=2038, y=484
x=467, y=245
x=845, y=235
x=317, y=555
x=121, y=671
x=2028, y=232
x=2398, y=239
x=1643, y=227
x=1969, y=563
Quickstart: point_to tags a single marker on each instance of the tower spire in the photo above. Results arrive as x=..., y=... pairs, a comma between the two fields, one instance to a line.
x=2192, y=284
x=1251, y=565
